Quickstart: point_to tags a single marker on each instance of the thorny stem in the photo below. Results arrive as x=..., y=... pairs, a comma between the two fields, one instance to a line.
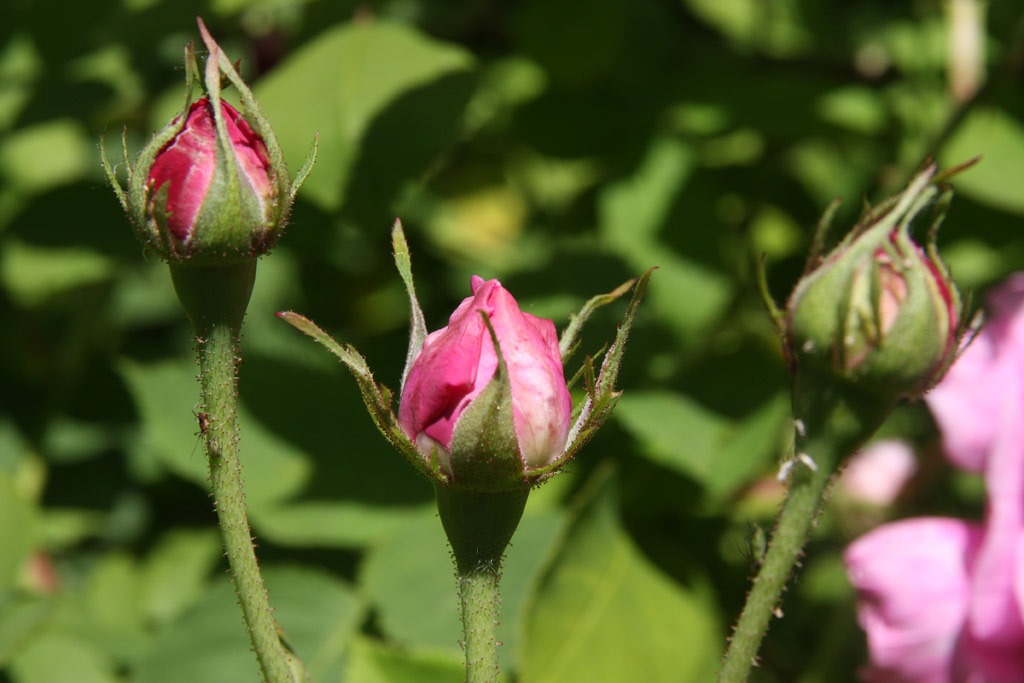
x=480, y=602
x=830, y=425
x=479, y=526
x=215, y=299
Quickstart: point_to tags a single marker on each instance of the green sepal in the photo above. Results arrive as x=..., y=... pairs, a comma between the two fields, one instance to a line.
x=777, y=316
x=600, y=402
x=820, y=235
x=303, y=173
x=286, y=189
x=138, y=191
x=217, y=63
x=570, y=339
x=376, y=398
x=484, y=451
x=138, y=176
x=111, y=169
x=589, y=360
x=417, y=323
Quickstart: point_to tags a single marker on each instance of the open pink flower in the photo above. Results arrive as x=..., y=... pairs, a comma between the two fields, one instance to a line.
x=458, y=361
x=941, y=599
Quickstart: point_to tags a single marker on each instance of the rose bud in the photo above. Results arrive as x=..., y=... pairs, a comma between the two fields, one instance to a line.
x=452, y=390
x=879, y=311
x=211, y=187
x=191, y=209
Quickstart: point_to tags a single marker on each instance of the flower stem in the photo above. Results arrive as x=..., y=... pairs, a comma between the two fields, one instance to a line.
x=830, y=425
x=480, y=601
x=215, y=299
x=479, y=526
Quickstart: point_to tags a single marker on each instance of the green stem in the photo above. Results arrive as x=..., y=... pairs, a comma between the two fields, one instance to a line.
x=480, y=601
x=831, y=425
x=215, y=299
x=479, y=527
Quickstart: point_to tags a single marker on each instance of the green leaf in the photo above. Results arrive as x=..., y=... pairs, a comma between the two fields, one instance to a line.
x=829, y=167
x=46, y=155
x=346, y=79
x=208, y=644
x=371, y=661
x=719, y=453
x=999, y=139
x=165, y=394
x=17, y=520
x=854, y=107
x=62, y=528
x=21, y=619
x=376, y=398
x=687, y=294
x=777, y=28
x=602, y=613
x=176, y=571
x=417, y=602
x=34, y=275
x=319, y=524
x=61, y=658
x=108, y=610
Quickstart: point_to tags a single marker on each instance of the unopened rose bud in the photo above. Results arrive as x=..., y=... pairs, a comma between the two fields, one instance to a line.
x=449, y=378
x=211, y=187
x=191, y=207
x=880, y=311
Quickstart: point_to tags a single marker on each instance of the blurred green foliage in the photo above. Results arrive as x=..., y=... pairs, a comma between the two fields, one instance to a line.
x=560, y=146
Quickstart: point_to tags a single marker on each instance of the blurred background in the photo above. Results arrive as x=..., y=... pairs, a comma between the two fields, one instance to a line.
x=562, y=147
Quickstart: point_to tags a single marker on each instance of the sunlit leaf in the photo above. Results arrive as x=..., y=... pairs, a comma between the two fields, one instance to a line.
x=601, y=612
x=373, y=64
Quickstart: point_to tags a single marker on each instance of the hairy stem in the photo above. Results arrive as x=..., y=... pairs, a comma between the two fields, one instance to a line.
x=479, y=526
x=830, y=426
x=480, y=601
x=215, y=299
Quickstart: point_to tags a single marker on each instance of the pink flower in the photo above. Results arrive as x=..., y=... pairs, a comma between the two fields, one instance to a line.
x=458, y=361
x=877, y=473
x=187, y=165
x=941, y=599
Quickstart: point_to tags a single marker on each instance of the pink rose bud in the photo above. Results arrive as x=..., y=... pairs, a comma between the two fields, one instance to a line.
x=450, y=376
x=184, y=171
x=879, y=311
x=211, y=187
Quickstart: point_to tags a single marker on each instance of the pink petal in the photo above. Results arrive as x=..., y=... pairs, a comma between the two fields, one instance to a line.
x=445, y=377
x=187, y=163
x=965, y=404
x=995, y=616
x=541, y=402
x=458, y=361
x=878, y=472
x=913, y=585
